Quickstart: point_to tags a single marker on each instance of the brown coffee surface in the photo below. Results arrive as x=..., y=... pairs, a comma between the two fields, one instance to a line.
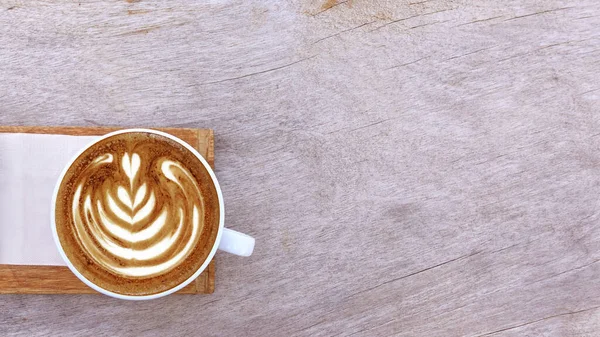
x=137, y=213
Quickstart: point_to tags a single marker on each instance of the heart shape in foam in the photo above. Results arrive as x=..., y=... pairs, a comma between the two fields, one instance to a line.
x=133, y=223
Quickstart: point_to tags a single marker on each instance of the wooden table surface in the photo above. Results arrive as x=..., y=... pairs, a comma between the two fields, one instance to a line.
x=408, y=167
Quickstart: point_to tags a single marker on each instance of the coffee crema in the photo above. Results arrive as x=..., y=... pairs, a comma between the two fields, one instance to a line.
x=137, y=213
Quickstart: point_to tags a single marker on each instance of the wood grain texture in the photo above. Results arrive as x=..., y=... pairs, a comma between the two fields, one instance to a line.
x=408, y=167
x=26, y=279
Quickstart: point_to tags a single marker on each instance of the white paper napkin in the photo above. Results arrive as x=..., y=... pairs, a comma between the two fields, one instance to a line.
x=30, y=166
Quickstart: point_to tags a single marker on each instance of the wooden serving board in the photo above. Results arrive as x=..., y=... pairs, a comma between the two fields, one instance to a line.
x=20, y=279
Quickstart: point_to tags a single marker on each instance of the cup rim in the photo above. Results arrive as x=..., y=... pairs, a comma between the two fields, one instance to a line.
x=168, y=291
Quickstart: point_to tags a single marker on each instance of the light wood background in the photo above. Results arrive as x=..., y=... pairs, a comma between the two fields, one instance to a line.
x=408, y=167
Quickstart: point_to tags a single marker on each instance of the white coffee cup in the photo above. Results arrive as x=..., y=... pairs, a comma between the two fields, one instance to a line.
x=227, y=240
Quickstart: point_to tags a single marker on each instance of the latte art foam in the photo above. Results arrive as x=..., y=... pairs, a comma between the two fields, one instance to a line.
x=123, y=225
x=137, y=213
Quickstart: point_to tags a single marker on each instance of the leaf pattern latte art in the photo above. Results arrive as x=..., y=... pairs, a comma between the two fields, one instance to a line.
x=142, y=219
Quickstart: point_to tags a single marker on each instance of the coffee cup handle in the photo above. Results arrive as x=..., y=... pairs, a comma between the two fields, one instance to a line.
x=236, y=243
